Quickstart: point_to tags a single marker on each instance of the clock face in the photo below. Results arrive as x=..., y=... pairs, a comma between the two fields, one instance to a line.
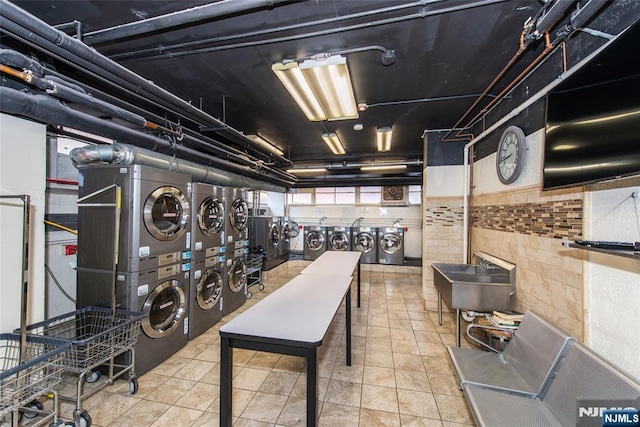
x=510, y=154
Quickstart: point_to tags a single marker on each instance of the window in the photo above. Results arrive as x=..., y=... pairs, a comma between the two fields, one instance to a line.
x=300, y=198
x=415, y=194
x=336, y=196
x=370, y=195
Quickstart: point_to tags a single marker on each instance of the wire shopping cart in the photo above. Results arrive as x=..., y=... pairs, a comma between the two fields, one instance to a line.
x=96, y=338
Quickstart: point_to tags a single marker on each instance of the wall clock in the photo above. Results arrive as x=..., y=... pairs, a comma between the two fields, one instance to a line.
x=510, y=154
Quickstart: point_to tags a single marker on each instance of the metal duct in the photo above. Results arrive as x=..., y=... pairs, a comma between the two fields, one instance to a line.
x=49, y=110
x=124, y=154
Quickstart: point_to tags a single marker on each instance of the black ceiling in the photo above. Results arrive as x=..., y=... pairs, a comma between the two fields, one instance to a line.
x=447, y=52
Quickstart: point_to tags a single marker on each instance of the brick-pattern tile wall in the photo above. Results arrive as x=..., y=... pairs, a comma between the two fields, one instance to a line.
x=556, y=219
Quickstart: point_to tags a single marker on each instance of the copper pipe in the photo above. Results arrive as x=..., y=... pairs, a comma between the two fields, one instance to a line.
x=15, y=73
x=564, y=56
x=151, y=125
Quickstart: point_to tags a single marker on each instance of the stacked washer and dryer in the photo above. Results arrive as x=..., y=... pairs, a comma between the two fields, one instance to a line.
x=208, y=269
x=153, y=266
x=237, y=243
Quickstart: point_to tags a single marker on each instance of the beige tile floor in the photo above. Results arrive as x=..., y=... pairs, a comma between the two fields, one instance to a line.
x=400, y=375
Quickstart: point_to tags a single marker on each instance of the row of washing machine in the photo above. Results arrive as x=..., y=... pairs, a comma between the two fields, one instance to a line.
x=271, y=238
x=180, y=256
x=379, y=245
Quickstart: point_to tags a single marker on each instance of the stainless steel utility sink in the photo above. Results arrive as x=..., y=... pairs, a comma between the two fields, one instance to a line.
x=482, y=287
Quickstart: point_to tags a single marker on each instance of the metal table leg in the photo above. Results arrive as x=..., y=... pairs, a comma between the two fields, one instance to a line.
x=312, y=387
x=226, y=367
x=348, y=321
x=358, y=284
x=458, y=327
x=440, y=308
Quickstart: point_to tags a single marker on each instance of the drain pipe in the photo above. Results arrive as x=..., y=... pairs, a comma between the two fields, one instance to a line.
x=124, y=154
x=513, y=113
x=45, y=109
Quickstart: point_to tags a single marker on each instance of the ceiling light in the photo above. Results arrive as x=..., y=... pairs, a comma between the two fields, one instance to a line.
x=307, y=170
x=383, y=168
x=266, y=145
x=383, y=138
x=322, y=88
x=333, y=142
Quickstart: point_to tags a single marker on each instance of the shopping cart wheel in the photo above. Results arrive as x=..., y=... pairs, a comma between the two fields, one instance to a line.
x=85, y=420
x=33, y=405
x=248, y=295
x=133, y=386
x=93, y=377
x=261, y=287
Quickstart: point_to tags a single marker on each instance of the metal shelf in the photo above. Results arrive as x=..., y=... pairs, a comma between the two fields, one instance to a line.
x=626, y=254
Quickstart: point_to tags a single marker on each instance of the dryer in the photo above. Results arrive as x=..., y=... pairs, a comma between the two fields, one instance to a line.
x=391, y=245
x=154, y=221
x=208, y=220
x=315, y=241
x=237, y=243
x=205, y=302
x=265, y=238
x=364, y=240
x=162, y=294
x=338, y=238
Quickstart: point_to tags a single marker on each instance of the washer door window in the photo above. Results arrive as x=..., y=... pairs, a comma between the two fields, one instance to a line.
x=286, y=232
x=239, y=214
x=211, y=217
x=314, y=240
x=238, y=275
x=274, y=234
x=364, y=242
x=390, y=243
x=339, y=241
x=165, y=213
x=209, y=288
x=164, y=308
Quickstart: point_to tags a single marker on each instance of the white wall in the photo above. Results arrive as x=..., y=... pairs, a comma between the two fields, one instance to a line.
x=443, y=181
x=613, y=281
x=22, y=171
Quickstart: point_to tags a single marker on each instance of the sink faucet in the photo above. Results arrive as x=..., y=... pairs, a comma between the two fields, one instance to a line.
x=322, y=220
x=396, y=223
x=357, y=222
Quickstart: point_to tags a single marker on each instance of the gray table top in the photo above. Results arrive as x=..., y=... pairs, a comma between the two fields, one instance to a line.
x=300, y=311
x=334, y=263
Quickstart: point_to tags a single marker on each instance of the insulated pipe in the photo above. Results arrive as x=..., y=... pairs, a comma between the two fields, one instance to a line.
x=70, y=50
x=46, y=109
x=124, y=154
x=175, y=19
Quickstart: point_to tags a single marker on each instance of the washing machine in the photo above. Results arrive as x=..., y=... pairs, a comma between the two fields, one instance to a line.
x=265, y=239
x=364, y=240
x=237, y=243
x=208, y=221
x=154, y=219
x=315, y=241
x=338, y=238
x=391, y=245
x=205, y=302
x=162, y=294
x=285, y=241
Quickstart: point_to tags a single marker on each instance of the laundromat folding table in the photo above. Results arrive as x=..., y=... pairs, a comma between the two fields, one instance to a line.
x=29, y=365
x=334, y=263
x=96, y=335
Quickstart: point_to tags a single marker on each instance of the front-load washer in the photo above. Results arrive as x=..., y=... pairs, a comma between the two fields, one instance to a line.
x=391, y=245
x=162, y=294
x=338, y=238
x=205, y=302
x=364, y=240
x=285, y=241
x=315, y=241
x=154, y=218
x=208, y=220
x=234, y=291
x=237, y=224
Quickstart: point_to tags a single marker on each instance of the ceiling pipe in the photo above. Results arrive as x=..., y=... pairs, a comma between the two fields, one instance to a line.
x=38, y=33
x=124, y=154
x=179, y=18
x=46, y=109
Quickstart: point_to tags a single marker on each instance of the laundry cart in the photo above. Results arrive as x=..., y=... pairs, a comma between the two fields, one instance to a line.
x=254, y=273
x=30, y=366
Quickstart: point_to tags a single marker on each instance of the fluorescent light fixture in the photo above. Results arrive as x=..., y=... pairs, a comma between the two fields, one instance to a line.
x=266, y=144
x=307, y=170
x=383, y=168
x=322, y=88
x=383, y=138
x=333, y=142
